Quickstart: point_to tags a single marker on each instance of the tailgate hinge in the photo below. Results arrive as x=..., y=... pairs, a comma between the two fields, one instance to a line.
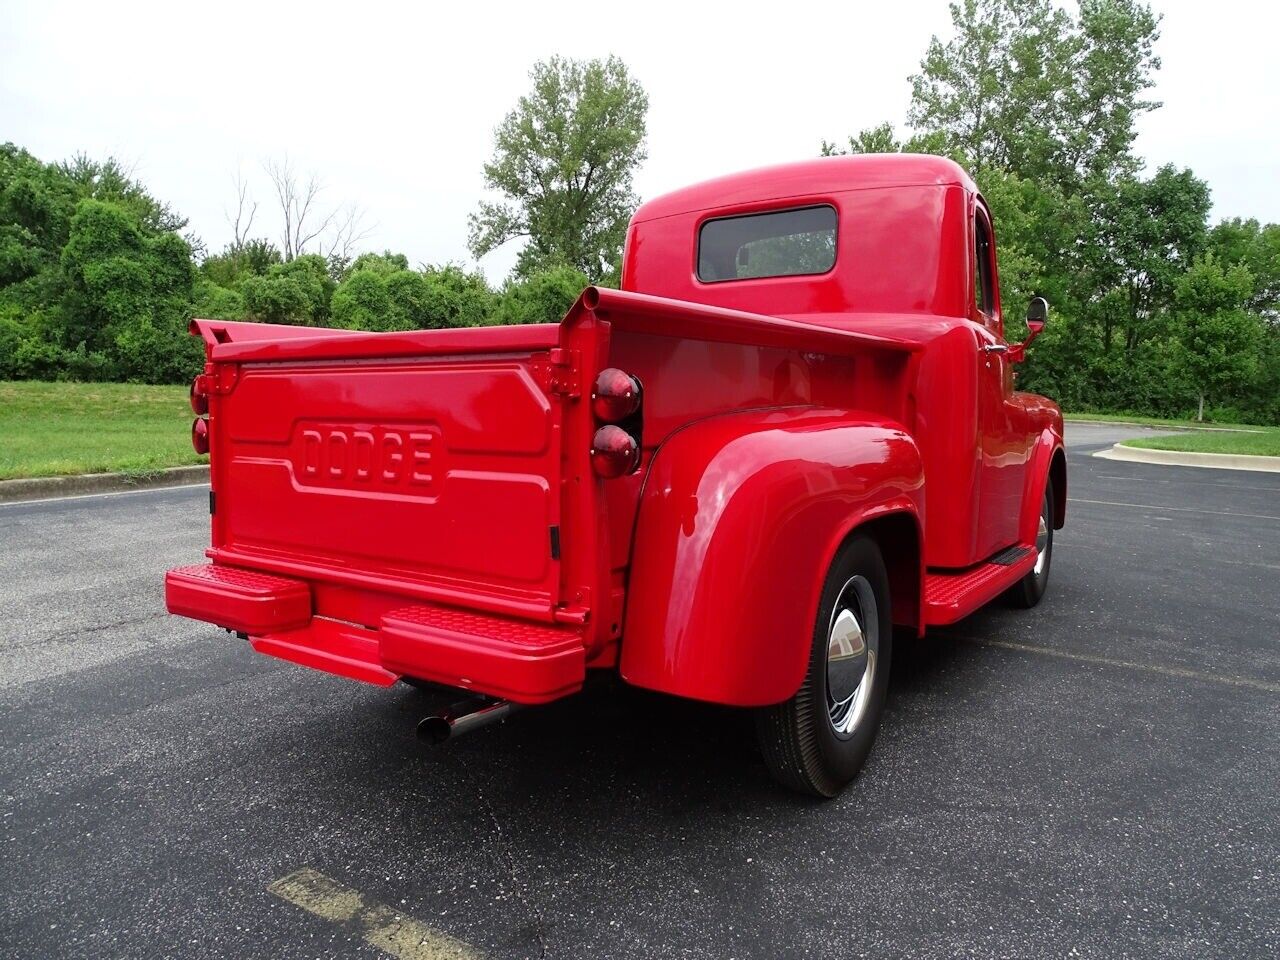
x=221, y=378
x=565, y=373
x=572, y=613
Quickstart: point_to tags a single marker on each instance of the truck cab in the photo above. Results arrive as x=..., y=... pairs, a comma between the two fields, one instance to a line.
x=898, y=246
x=790, y=437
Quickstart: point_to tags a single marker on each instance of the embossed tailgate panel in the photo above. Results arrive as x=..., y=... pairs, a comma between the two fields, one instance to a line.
x=440, y=473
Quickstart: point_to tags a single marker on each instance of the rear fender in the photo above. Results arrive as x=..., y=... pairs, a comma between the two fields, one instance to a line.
x=739, y=520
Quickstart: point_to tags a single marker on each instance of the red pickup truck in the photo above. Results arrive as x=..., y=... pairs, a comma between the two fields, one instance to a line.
x=791, y=435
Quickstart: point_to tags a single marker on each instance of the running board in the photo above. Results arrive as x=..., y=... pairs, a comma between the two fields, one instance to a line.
x=950, y=595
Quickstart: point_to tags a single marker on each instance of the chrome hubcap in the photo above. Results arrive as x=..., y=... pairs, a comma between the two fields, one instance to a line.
x=853, y=643
x=1042, y=539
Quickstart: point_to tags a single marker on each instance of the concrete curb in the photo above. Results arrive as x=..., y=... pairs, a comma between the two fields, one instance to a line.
x=38, y=488
x=1182, y=458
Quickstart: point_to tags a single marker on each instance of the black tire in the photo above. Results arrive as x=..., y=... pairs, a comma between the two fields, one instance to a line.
x=1028, y=591
x=798, y=738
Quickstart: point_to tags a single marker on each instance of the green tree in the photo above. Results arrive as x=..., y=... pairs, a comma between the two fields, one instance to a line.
x=881, y=139
x=543, y=297
x=884, y=139
x=109, y=180
x=213, y=302
x=1024, y=86
x=380, y=293
x=385, y=262
x=1218, y=336
x=1142, y=236
x=298, y=291
x=36, y=205
x=1111, y=63
x=564, y=159
x=454, y=297
x=95, y=282
x=252, y=258
x=361, y=302
x=128, y=295
x=1256, y=247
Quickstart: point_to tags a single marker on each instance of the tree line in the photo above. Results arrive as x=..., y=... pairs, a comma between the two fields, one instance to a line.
x=98, y=279
x=1156, y=310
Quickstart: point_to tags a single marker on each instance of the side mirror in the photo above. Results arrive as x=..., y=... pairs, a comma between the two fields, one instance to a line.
x=1037, y=317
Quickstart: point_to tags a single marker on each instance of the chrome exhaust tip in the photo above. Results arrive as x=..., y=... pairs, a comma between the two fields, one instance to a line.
x=462, y=718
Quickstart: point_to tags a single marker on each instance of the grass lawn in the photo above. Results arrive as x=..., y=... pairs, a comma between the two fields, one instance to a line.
x=47, y=429
x=1264, y=442
x=1158, y=422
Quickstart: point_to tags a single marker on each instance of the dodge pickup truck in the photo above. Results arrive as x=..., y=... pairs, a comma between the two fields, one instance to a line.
x=790, y=437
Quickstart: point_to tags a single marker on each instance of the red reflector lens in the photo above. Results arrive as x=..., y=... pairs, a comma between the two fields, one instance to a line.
x=614, y=452
x=199, y=396
x=200, y=435
x=616, y=395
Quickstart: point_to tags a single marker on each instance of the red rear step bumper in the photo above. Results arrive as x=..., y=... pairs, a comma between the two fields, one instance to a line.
x=240, y=600
x=498, y=656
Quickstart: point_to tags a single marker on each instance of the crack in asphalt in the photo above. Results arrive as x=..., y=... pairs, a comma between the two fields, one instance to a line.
x=531, y=911
x=87, y=631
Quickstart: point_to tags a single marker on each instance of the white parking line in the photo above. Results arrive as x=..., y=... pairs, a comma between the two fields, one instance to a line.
x=1182, y=481
x=1161, y=509
x=1180, y=672
x=378, y=925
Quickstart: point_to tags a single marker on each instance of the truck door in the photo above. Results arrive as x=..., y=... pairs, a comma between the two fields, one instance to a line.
x=1001, y=444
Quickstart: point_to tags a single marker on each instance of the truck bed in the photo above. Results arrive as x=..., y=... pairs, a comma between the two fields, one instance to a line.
x=423, y=504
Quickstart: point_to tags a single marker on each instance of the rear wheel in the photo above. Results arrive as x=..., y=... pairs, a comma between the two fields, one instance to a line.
x=1028, y=591
x=817, y=741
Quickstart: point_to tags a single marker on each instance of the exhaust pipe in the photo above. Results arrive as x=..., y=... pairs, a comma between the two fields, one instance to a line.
x=462, y=718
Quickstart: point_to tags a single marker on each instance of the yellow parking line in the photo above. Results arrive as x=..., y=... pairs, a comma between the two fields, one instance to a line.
x=379, y=925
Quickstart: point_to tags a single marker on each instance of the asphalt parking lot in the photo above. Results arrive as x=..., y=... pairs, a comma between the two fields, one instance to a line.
x=1098, y=777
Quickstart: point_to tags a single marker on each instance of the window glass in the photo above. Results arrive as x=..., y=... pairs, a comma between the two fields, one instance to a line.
x=780, y=244
x=983, y=294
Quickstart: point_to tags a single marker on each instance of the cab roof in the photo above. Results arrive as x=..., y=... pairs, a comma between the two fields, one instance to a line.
x=823, y=175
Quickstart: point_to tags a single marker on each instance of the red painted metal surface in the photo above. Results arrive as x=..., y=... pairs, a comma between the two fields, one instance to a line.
x=442, y=478
x=503, y=657
x=243, y=600
x=342, y=648
x=740, y=518
x=433, y=493
x=950, y=595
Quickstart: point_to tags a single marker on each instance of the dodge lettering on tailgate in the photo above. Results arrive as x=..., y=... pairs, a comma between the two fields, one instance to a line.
x=400, y=457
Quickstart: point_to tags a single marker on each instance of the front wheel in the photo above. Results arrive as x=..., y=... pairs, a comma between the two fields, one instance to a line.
x=817, y=741
x=1026, y=593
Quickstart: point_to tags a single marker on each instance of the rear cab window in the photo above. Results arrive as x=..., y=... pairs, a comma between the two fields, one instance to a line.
x=781, y=243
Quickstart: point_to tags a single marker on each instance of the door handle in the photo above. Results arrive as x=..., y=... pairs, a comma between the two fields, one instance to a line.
x=996, y=347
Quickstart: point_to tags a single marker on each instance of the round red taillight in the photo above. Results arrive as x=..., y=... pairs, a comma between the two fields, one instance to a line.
x=200, y=435
x=614, y=452
x=199, y=396
x=616, y=395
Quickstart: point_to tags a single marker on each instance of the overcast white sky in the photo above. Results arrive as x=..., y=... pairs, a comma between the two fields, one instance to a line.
x=394, y=104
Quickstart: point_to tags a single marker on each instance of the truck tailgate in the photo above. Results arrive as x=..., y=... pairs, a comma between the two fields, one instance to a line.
x=434, y=476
